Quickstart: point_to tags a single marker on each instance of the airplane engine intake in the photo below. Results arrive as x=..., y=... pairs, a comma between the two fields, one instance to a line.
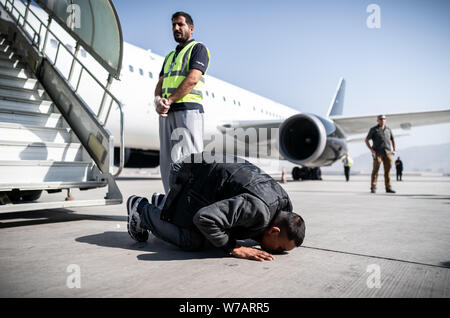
x=311, y=141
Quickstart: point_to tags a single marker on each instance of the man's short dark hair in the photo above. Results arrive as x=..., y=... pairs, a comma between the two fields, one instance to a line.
x=188, y=18
x=292, y=225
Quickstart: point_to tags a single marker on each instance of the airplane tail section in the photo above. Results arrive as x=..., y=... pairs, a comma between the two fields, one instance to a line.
x=337, y=104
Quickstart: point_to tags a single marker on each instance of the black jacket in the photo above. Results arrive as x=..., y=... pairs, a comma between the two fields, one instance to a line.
x=224, y=201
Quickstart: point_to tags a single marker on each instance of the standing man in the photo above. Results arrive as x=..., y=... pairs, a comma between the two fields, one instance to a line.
x=382, y=138
x=348, y=162
x=399, y=168
x=178, y=96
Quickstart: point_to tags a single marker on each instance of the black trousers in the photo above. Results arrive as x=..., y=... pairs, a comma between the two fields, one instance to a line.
x=347, y=173
x=399, y=175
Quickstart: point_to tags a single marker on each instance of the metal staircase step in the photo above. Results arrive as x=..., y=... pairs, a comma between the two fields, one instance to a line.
x=52, y=120
x=17, y=132
x=43, y=171
x=53, y=185
x=15, y=72
x=9, y=55
x=11, y=63
x=5, y=47
x=18, y=150
x=23, y=93
x=18, y=82
x=42, y=107
x=57, y=205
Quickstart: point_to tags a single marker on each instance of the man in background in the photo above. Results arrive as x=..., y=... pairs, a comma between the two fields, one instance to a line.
x=383, y=149
x=399, y=168
x=348, y=162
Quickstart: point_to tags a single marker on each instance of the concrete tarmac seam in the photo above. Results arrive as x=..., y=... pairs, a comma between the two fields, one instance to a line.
x=374, y=256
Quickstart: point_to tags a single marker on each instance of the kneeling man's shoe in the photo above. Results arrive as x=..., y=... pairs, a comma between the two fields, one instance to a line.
x=389, y=190
x=134, y=220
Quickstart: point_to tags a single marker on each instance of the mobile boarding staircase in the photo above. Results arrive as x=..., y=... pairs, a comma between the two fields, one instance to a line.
x=50, y=139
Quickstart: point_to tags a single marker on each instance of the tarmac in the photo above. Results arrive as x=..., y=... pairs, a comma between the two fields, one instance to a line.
x=357, y=244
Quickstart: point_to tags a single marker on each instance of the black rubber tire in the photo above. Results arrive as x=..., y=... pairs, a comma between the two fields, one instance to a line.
x=296, y=173
x=31, y=195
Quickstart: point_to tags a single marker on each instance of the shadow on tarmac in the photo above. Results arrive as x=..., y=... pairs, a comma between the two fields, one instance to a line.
x=445, y=264
x=137, y=178
x=418, y=196
x=52, y=216
x=157, y=250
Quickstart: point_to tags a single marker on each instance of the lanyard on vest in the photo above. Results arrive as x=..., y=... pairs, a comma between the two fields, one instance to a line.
x=172, y=65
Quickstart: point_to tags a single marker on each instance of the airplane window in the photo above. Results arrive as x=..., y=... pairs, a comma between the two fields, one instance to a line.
x=212, y=94
x=69, y=47
x=141, y=71
x=239, y=103
x=53, y=42
x=131, y=68
x=150, y=74
x=234, y=101
x=224, y=99
x=83, y=53
x=206, y=93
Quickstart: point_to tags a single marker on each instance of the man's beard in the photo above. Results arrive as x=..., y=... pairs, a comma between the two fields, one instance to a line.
x=181, y=39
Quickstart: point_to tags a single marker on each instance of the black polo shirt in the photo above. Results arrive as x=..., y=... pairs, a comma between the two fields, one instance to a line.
x=381, y=138
x=199, y=61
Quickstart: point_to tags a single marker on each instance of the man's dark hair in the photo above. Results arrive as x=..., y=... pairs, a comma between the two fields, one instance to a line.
x=188, y=18
x=292, y=225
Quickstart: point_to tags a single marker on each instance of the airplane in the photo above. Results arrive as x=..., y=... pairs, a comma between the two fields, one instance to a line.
x=305, y=139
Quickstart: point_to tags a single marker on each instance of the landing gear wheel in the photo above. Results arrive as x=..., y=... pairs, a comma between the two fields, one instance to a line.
x=31, y=195
x=17, y=196
x=296, y=173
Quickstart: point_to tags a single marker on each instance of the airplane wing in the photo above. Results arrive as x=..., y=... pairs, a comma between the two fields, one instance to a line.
x=361, y=138
x=405, y=121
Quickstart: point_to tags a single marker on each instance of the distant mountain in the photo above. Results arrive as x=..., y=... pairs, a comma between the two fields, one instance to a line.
x=433, y=158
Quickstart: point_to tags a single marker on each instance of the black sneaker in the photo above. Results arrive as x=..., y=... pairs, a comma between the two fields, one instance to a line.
x=157, y=198
x=373, y=190
x=134, y=220
x=389, y=190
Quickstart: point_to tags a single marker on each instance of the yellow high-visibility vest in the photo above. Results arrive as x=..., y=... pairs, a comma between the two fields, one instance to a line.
x=175, y=71
x=348, y=162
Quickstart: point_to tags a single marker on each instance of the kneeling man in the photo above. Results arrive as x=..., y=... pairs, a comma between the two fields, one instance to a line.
x=216, y=203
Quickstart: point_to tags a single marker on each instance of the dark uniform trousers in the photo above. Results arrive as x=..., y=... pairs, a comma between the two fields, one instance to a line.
x=387, y=164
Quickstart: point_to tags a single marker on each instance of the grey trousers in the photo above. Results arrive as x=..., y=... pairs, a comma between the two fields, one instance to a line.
x=180, y=134
x=188, y=240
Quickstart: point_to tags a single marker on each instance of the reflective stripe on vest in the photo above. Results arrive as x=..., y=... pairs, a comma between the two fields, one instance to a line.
x=176, y=71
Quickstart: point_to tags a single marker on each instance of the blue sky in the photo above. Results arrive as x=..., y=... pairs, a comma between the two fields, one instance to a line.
x=294, y=52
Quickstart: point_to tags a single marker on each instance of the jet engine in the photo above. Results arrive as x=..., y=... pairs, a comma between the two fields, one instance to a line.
x=311, y=141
